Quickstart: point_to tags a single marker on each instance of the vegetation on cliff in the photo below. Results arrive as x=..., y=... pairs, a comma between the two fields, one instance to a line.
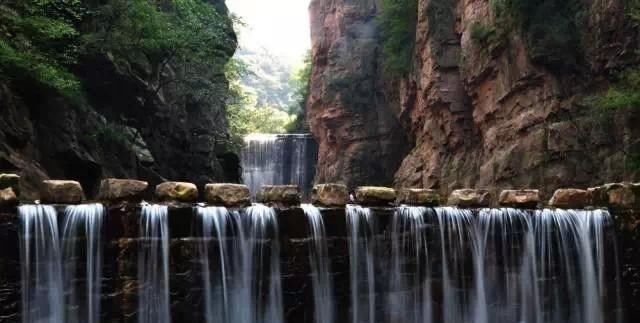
x=398, y=19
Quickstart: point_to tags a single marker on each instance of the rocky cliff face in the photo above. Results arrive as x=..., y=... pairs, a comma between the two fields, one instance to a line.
x=476, y=114
x=126, y=128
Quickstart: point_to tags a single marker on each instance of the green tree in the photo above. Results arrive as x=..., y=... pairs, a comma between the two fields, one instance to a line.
x=300, y=82
x=398, y=19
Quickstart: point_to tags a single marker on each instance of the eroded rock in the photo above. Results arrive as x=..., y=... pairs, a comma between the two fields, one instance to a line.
x=520, y=198
x=177, y=192
x=227, y=194
x=470, y=198
x=570, y=198
x=418, y=196
x=330, y=195
x=375, y=195
x=61, y=192
x=115, y=190
x=10, y=180
x=280, y=194
x=616, y=195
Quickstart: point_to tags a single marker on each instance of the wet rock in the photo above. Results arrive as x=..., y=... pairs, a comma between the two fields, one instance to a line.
x=330, y=195
x=177, y=192
x=418, y=196
x=470, y=198
x=616, y=195
x=61, y=192
x=570, y=198
x=227, y=194
x=8, y=198
x=10, y=180
x=280, y=194
x=374, y=195
x=116, y=190
x=520, y=198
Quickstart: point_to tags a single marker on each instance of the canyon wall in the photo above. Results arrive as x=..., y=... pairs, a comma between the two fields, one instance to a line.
x=494, y=112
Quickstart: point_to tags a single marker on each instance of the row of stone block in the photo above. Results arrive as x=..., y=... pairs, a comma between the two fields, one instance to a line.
x=618, y=195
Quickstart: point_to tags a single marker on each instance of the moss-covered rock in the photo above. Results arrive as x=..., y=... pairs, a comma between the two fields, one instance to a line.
x=418, y=196
x=177, y=192
x=330, y=195
x=280, y=194
x=375, y=195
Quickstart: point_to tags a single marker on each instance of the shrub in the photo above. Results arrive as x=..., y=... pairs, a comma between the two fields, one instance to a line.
x=398, y=19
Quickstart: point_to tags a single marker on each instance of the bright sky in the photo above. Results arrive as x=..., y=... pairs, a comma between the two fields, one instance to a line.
x=281, y=26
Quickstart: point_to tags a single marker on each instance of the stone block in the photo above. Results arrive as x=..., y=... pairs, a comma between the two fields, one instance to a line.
x=470, y=198
x=230, y=195
x=570, y=198
x=418, y=197
x=330, y=195
x=116, y=190
x=520, y=198
x=8, y=198
x=61, y=192
x=177, y=192
x=10, y=180
x=280, y=194
x=375, y=195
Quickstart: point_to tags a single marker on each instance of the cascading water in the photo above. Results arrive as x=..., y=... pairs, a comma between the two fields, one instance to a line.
x=82, y=221
x=52, y=288
x=41, y=266
x=323, y=299
x=274, y=159
x=241, y=265
x=503, y=266
x=153, y=265
x=361, y=229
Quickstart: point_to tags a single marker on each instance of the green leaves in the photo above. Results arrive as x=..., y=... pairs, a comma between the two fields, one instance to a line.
x=398, y=20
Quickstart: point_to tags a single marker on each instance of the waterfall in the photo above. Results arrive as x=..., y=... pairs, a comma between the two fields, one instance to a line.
x=323, y=299
x=56, y=286
x=83, y=221
x=361, y=229
x=275, y=159
x=502, y=266
x=41, y=267
x=241, y=265
x=153, y=265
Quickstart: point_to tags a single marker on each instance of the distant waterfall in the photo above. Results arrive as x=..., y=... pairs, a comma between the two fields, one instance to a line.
x=153, y=265
x=241, y=265
x=52, y=265
x=273, y=159
x=323, y=299
x=502, y=266
x=361, y=230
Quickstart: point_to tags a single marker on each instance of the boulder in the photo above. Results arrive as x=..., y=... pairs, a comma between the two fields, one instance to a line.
x=227, y=194
x=616, y=195
x=330, y=195
x=470, y=198
x=116, y=190
x=570, y=198
x=8, y=198
x=61, y=192
x=418, y=196
x=374, y=195
x=520, y=198
x=10, y=180
x=177, y=192
x=280, y=194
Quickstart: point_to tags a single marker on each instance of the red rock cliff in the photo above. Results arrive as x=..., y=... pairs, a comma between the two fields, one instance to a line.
x=472, y=115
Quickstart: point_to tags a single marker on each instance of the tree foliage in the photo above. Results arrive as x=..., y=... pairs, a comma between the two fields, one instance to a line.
x=398, y=19
x=300, y=84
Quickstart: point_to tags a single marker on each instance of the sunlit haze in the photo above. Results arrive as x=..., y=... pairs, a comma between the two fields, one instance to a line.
x=280, y=26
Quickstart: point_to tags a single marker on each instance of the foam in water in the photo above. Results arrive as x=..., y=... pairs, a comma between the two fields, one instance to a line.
x=361, y=228
x=323, y=299
x=52, y=288
x=503, y=266
x=275, y=159
x=153, y=265
x=241, y=265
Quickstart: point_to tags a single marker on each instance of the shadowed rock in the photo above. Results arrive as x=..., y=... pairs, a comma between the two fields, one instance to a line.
x=617, y=195
x=570, y=198
x=330, y=195
x=470, y=198
x=177, y=192
x=374, y=195
x=10, y=180
x=418, y=196
x=520, y=198
x=116, y=190
x=61, y=192
x=280, y=194
x=8, y=198
x=227, y=194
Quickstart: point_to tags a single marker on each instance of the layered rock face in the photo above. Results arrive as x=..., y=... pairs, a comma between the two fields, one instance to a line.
x=127, y=128
x=477, y=115
x=361, y=142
